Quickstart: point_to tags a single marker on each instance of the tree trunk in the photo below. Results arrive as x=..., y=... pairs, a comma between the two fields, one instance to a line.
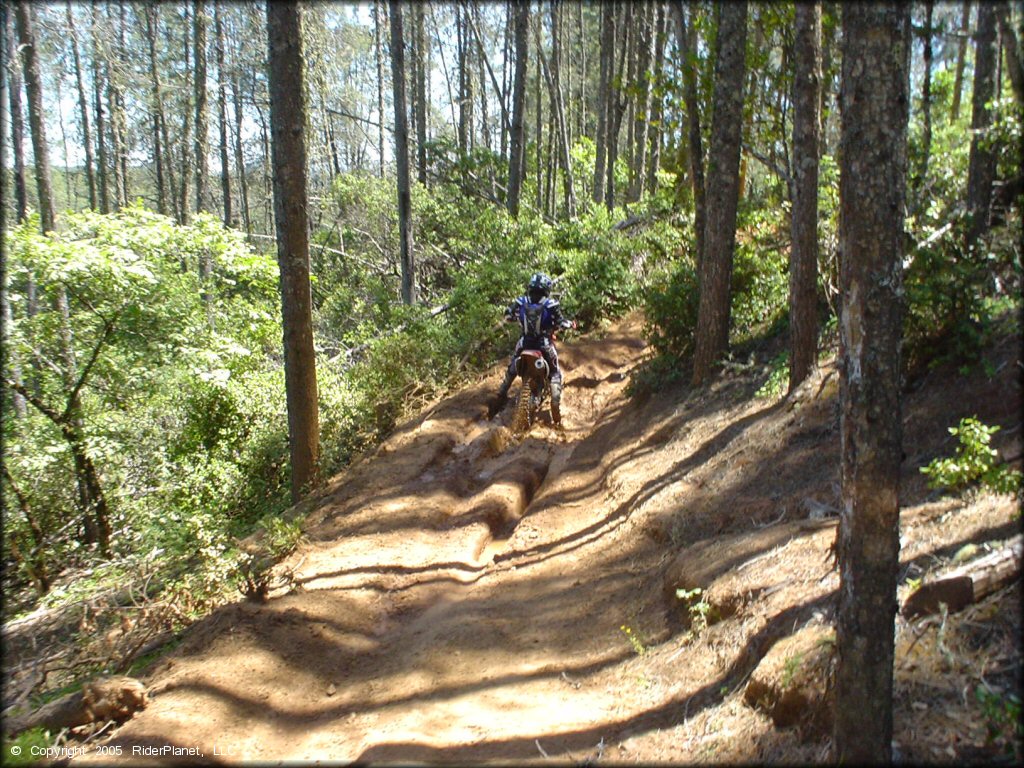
x=202, y=138
x=617, y=110
x=982, y=164
x=712, y=334
x=873, y=167
x=921, y=172
x=654, y=130
x=35, y=559
x=1011, y=47
x=803, y=260
x=222, y=116
x=13, y=68
x=83, y=110
x=102, y=179
x=402, y=154
x=558, y=115
x=378, y=35
x=517, y=144
x=287, y=125
x=157, y=109
x=187, y=164
x=604, y=98
x=243, y=181
x=34, y=91
x=420, y=92
x=641, y=116
x=961, y=55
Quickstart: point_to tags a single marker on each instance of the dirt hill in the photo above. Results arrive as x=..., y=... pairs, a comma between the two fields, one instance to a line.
x=466, y=596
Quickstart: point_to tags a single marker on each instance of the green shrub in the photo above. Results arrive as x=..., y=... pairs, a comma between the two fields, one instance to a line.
x=975, y=462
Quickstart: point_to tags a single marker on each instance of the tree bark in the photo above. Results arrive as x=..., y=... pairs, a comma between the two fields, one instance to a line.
x=1011, y=47
x=803, y=260
x=558, y=108
x=654, y=130
x=102, y=178
x=287, y=125
x=37, y=126
x=982, y=163
x=517, y=144
x=873, y=167
x=378, y=35
x=420, y=92
x=641, y=116
x=202, y=137
x=604, y=98
x=243, y=181
x=688, y=44
x=958, y=80
x=222, y=116
x=712, y=335
x=13, y=69
x=405, y=232
x=921, y=172
x=617, y=109
x=83, y=110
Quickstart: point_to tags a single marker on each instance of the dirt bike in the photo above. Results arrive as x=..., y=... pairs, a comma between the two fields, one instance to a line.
x=535, y=373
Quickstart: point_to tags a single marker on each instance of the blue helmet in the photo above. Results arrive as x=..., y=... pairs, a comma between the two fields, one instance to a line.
x=538, y=287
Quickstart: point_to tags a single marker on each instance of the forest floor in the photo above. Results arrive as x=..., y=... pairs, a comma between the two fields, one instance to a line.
x=464, y=596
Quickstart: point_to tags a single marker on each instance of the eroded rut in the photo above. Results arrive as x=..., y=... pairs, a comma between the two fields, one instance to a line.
x=427, y=608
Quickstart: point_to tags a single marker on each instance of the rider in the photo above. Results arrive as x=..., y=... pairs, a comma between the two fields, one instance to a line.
x=539, y=316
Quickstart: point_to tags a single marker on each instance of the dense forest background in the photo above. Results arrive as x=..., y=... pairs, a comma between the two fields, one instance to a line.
x=145, y=427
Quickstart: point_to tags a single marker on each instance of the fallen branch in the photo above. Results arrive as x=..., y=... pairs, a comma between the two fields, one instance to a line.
x=968, y=584
x=110, y=698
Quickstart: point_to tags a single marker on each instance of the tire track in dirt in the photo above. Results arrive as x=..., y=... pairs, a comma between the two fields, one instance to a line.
x=401, y=627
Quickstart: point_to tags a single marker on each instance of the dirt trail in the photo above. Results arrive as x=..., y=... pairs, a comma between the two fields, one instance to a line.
x=463, y=596
x=450, y=598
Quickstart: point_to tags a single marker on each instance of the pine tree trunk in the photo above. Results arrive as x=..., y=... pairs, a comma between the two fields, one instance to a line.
x=712, y=334
x=202, y=139
x=921, y=172
x=961, y=55
x=655, y=132
x=1011, y=47
x=873, y=170
x=13, y=69
x=102, y=179
x=617, y=109
x=243, y=180
x=803, y=260
x=83, y=110
x=642, y=115
x=402, y=154
x=982, y=163
x=287, y=123
x=604, y=98
x=378, y=34
x=517, y=143
x=222, y=116
x=558, y=115
x=420, y=92
x=37, y=126
x=187, y=158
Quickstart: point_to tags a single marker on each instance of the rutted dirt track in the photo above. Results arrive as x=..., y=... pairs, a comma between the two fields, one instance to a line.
x=464, y=596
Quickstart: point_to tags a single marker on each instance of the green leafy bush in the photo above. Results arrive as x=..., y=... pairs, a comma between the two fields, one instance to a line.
x=975, y=462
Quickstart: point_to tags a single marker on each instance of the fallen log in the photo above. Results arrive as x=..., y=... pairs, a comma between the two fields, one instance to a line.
x=108, y=698
x=967, y=584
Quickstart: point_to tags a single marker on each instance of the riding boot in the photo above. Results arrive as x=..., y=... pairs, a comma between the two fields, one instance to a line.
x=556, y=403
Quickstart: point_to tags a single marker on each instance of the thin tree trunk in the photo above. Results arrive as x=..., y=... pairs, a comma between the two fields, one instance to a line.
x=378, y=34
x=873, y=170
x=420, y=92
x=1011, y=47
x=604, y=98
x=559, y=118
x=34, y=91
x=83, y=110
x=243, y=181
x=961, y=55
x=926, y=100
x=803, y=260
x=517, y=153
x=13, y=67
x=202, y=138
x=712, y=334
x=617, y=110
x=187, y=164
x=222, y=116
x=642, y=114
x=655, y=132
x=35, y=560
x=287, y=122
x=982, y=163
x=102, y=178
x=402, y=154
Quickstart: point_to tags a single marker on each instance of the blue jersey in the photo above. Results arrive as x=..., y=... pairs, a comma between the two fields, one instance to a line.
x=537, y=320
